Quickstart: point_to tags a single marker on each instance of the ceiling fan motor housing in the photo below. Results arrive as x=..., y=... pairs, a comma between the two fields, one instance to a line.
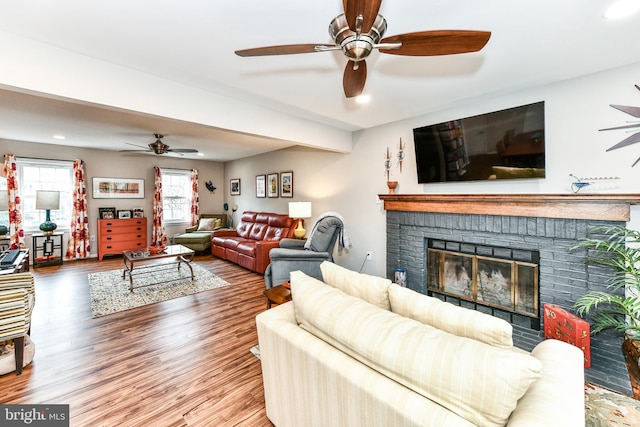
x=356, y=47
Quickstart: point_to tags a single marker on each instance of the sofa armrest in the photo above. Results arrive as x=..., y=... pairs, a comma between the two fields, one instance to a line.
x=556, y=398
x=263, y=248
x=191, y=229
x=225, y=232
x=292, y=243
x=298, y=255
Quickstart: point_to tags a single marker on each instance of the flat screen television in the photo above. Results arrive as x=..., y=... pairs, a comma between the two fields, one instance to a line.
x=505, y=144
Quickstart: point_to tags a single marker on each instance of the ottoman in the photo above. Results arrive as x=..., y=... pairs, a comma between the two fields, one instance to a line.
x=197, y=240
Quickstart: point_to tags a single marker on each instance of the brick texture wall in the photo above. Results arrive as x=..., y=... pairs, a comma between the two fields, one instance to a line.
x=564, y=276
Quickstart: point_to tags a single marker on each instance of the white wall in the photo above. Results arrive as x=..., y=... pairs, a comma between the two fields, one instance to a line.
x=349, y=183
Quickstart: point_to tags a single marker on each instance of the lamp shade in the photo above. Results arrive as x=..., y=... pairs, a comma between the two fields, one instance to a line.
x=4, y=200
x=47, y=200
x=300, y=209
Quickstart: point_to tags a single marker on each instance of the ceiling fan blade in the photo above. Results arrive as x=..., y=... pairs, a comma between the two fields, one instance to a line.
x=367, y=8
x=183, y=150
x=627, y=141
x=438, y=42
x=287, y=49
x=135, y=151
x=353, y=80
x=634, y=111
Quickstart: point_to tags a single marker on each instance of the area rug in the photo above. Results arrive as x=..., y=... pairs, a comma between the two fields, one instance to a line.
x=603, y=408
x=110, y=293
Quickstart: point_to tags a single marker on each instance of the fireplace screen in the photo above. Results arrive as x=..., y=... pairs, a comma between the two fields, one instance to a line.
x=469, y=273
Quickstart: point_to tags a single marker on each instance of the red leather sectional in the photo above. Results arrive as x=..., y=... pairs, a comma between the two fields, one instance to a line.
x=249, y=244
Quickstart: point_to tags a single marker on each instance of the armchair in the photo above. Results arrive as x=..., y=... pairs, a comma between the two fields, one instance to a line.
x=17, y=298
x=294, y=254
x=198, y=237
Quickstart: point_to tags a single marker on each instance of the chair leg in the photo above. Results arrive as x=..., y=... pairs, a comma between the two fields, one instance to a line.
x=19, y=353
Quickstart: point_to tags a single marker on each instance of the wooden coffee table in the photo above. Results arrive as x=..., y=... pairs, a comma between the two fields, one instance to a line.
x=145, y=261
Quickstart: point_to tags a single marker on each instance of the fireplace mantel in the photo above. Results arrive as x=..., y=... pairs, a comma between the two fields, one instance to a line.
x=606, y=207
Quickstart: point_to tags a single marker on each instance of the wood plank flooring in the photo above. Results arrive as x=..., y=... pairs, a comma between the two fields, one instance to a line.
x=183, y=362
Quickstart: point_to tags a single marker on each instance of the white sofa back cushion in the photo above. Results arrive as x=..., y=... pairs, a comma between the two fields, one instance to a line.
x=479, y=382
x=373, y=289
x=448, y=317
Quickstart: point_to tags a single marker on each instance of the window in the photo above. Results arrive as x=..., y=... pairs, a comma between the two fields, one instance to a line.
x=176, y=196
x=36, y=174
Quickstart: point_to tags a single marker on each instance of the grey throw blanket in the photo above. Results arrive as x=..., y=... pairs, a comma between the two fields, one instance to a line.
x=344, y=238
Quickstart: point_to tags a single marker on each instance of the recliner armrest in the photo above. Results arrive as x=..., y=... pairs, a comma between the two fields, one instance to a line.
x=297, y=255
x=292, y=243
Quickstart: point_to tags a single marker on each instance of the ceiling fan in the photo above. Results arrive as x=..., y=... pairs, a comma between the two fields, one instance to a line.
x=160, y=147
x=359, y=30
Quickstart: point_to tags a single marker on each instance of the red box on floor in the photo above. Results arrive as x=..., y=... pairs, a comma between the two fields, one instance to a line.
x=561, y=325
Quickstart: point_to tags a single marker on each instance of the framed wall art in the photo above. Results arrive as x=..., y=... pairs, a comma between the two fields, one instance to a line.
x=272, y=185
x=261, y=186
x=286, y=184
x=235, y=187
x=118, y=188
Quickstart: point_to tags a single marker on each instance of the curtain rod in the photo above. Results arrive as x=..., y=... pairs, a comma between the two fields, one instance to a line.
x=39, y=158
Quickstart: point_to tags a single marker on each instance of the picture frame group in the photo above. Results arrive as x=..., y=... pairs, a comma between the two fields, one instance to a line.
x=275, y=185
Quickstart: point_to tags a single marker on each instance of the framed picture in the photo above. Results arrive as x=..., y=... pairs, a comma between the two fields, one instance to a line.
x=138, y=213
x=118, y=188
x=286, y=184
x=272, y=185
x=261, y=186
x=107, y=213
x=235, y=187
x=124, y=214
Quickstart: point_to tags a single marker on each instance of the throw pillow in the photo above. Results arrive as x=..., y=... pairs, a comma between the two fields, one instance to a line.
x=373, y=289
x=479, y=382
x=450, y=318
x=206, y=224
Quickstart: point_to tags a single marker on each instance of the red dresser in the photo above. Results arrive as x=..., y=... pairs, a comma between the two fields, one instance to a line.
x=117, y=235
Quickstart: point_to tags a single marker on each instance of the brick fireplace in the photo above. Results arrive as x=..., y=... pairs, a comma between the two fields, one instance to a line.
x=547, y=225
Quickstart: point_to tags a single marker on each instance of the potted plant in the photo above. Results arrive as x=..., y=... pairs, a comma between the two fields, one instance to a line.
x=619, y=248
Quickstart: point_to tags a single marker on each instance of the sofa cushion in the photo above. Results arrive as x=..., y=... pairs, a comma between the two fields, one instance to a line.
x=244, y=229
x=257, y=231
x=479, y=382
x=208, y=224
x=448, y=317
x=372, y=289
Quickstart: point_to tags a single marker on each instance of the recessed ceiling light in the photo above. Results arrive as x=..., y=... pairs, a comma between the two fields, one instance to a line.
x=200, y=154
x=621, y=9
x=363, y=99
x=58, y=137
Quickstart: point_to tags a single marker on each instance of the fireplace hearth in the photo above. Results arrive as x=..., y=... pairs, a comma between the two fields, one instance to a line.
x=545, y=225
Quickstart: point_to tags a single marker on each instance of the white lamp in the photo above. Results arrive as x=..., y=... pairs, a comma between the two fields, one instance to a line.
x=47, y=200
x=299, y=210
x=4, y=206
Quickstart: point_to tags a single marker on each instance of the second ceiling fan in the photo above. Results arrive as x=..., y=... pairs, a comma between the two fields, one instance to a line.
x=359, y=30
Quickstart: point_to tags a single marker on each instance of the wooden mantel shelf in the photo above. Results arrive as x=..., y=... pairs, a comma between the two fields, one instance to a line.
x=606, y=207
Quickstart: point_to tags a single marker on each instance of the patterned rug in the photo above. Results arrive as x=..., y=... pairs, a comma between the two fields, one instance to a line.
x=603, y=408
x=110, y=294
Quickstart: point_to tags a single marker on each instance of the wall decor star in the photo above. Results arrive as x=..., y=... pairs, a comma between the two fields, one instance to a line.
x=635, y=112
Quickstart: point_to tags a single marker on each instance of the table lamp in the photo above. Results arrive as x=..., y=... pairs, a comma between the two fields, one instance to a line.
x=299, y=210
x=47, y=200
x=4, y=206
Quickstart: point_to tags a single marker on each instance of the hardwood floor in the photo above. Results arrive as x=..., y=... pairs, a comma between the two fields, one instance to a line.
x=183, y=362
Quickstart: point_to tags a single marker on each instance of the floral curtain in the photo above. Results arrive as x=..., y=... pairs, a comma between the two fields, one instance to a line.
x=16, y=232
x=78, y=245
x=195, y=198
x=158, y=233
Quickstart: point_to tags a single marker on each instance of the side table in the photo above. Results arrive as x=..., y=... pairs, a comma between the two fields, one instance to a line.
x=278, y=294
x=47, y=249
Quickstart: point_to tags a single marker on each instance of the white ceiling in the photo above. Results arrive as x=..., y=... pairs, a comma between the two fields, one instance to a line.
x=192, y=42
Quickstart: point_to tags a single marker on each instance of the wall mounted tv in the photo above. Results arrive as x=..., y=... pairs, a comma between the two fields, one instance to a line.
x=506, y=144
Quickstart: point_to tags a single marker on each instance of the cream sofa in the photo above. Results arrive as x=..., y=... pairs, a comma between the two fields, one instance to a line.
x=357, y=350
